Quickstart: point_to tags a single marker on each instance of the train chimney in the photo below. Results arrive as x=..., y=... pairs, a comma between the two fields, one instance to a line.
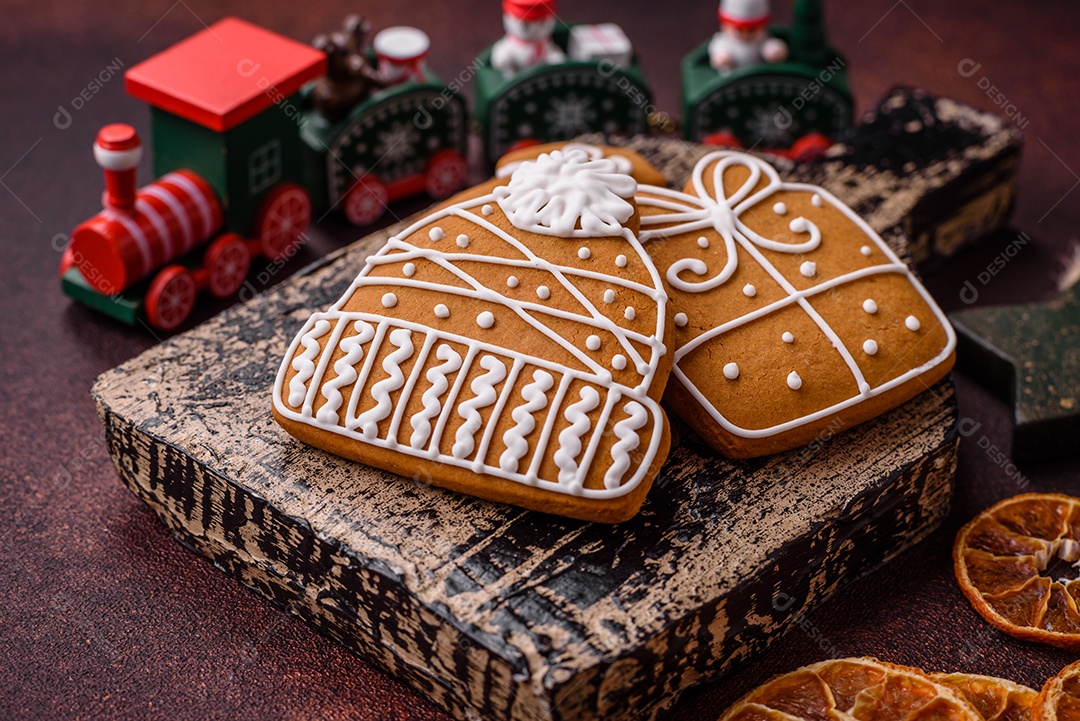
x=118, y=151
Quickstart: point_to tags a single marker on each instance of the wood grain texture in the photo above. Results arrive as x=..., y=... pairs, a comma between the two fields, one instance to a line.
x=488, y=609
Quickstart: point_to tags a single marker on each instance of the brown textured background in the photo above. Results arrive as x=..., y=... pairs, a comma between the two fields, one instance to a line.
x=103, y=615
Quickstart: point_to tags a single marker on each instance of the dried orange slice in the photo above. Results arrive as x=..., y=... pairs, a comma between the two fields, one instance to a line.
x=996, y=699
x=1059, y=699
x=1017, y=562
x=863, y=689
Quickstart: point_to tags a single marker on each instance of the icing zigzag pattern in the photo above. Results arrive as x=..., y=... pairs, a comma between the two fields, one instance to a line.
x=368, y=422
x=436, y=376
x=345, y=368
x=570, y=438
x=304, y=365
x=484, y=388
x=535, y=395
x=626, y=431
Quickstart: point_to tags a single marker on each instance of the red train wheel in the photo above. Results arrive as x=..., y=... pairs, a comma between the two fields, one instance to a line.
x=724, y=138
x=366, y=201
x=810, y=147
x=170, y=298
x=446, y=174
x=227, y=260
x=283, y=218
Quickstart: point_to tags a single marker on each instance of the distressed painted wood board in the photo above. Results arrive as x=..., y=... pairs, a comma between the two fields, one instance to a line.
x=489, y=610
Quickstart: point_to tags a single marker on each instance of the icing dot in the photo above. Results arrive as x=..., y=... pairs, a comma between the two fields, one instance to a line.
x=869, y=347
x=485, y=319
x=609, y=296
x=866, y=250
x=463, y=241
x=869, y=306
x=441, y=311
x=749, y=291
x=815, y=200
x=780, y=209
x=809, y=269
x=593, y=342
x=680, y=319
x=409, y=270
x=642, y=368
x=703, y=242
x=731, y=371
x=630, y=313
x=512, y=282
x=487, y=209
x=794, y=382
x=584, y=253
x=787, y=337
x=799, y=225
x=389, y=300
x=543, y=292
x=618, y=361
x=912, y=323
x=620, y=260
x=436, y=233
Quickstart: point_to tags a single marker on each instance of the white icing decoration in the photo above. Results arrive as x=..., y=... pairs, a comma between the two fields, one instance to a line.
x=486, y=319
x=869, y=306
x=815, y=200
x=594, y=152
x=787, y=337
x=681, y=319
x=368, y=421
x=436, y=233
x=483, y=388
x=441, y=311
x=512, y=282
x=609, y=296
x=568, y=194
x=389, y=300
x=570, y=437
x=486, y=209
x=463, y=241
x=685, y=213
x=618, y=361
x=304, y=364
x=536, y=400
x=780, y=209
x=731, y=371
x=345, y=371
x=543, y=292
x=593, y=342
x=912, y=323
x=620, y=260
x=794, y=382
x=630, y=313
x=408, y=270
x=808, y=269
x=749, y=291
x=703, y=242
x=432, y=398
x=626, y=431
x=870, y=347
x=584, y=253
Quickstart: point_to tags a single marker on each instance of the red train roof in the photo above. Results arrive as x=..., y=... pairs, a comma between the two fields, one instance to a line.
x=223, y=75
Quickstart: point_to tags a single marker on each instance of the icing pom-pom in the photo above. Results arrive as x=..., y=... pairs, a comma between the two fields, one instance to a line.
x=794, y=382
x=441, y=311
x=749, y=291
x=680, y=319
x=436, y=233
x=487, y=209
x=560, y=192
x=389, y=300
x=870, y=347
x=912, y=323
x=512, y=282
x=409, y=269
x=866, y=250
x=630, y=313
x=779, y=209
x=618, y=361
x=703, y=242
x=620, y=260
x=593, y=342
x=787, y=337
x=485, y=319
x=609, y=296
x=731, y=371
x=808, y=269
x=869, y=306
x=463, y=241
x=584, y=253
x=543, y=292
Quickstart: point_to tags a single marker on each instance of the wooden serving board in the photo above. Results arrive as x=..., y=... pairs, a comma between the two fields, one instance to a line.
x=489, y=610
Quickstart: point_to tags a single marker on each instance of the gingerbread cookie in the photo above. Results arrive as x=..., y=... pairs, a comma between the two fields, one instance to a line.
x=510, y=345
x=793, y=319
x=628, y=161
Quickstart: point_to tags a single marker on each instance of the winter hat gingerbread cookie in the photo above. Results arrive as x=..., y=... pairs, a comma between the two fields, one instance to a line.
x=793, y=319
x=510, y=345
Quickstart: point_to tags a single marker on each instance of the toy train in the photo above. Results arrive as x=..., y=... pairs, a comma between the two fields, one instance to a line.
x=253, y=133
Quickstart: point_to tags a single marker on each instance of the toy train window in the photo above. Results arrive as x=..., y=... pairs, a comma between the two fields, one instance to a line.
x=264, y=167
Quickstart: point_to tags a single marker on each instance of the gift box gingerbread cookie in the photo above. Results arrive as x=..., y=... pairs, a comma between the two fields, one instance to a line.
x=793, y=319
x=511, y=345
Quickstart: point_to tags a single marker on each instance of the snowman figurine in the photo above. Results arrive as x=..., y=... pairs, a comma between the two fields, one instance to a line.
x=743, y=39
x=527, y=43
